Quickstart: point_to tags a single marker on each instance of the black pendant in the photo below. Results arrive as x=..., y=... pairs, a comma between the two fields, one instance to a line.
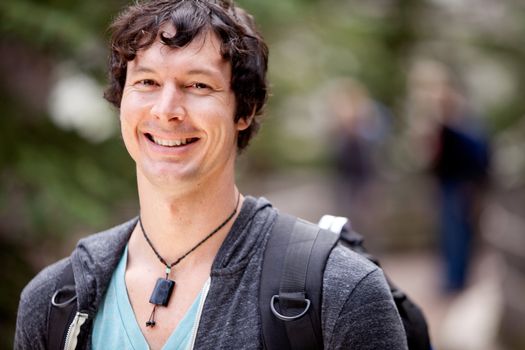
x=162, y=292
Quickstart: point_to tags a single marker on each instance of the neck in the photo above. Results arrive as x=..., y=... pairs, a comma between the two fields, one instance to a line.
x=178, y=220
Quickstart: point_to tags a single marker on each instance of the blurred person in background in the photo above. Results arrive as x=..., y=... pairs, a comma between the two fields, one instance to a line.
x=453, y=144
x=460, y=165
x=361, y=128
x=189, y=79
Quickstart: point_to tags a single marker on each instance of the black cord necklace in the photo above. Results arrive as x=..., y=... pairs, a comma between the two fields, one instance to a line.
x=164, y=287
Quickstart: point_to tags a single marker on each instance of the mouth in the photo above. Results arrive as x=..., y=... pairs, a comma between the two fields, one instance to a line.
x=171, y=143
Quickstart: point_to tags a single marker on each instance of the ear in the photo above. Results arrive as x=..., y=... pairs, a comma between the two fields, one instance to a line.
x=244, y=122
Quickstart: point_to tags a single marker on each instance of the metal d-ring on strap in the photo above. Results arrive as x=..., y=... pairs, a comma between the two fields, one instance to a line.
x=64, y=303
x=288, y=318
x=293, y=281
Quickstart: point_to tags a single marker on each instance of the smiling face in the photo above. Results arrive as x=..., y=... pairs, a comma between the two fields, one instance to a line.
x=177, y=113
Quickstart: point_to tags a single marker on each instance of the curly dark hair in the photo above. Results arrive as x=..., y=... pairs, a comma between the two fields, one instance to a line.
x=137, y=28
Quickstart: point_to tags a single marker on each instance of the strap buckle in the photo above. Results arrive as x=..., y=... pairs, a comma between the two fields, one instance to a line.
x=289, y=318
x=56, y=297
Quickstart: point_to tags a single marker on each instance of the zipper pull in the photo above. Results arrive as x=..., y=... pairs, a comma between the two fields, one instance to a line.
x=74, y=330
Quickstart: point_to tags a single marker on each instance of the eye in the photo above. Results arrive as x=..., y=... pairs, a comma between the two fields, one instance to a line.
x=146, y=82
x=199, y=86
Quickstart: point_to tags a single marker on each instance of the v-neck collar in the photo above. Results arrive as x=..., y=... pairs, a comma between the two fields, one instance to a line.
x=181, y=336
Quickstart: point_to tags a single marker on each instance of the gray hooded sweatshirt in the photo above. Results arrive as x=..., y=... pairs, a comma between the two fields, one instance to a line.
x=357, y=308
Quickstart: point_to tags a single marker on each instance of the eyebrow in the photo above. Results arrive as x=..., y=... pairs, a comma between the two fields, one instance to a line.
x=194, y=71
x=203, y=71
x=142, y=69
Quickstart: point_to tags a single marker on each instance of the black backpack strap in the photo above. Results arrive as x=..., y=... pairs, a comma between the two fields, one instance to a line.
x=291, y=284
x=414, y=321
x=63, y=309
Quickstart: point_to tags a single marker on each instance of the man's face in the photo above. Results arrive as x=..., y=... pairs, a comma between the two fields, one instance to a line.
x=177, y=112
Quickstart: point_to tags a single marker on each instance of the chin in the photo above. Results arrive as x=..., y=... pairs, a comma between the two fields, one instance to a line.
x=170, y=175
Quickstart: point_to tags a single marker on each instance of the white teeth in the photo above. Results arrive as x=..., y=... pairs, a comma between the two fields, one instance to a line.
x=169, y=143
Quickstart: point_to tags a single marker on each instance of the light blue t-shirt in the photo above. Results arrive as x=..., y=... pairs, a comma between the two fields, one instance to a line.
x=116, y=327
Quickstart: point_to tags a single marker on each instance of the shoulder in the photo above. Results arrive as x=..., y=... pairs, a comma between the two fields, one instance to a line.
x=108, y=239
x=97, y=255
x=346, y=268
x=90, y=261
x=33, y=308
x=347, y=273
x=44, y=282
x=358, y=309
x=349, y=277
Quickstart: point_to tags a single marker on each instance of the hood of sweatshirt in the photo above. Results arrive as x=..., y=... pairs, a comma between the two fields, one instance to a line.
x=97, y=256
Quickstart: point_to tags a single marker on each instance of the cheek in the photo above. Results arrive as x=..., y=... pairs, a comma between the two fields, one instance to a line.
x=125, y=121
x=134, y=102
x=213, y=112
x=130, y=112
x=127, y=133
x=128, y=127
x=124, y=128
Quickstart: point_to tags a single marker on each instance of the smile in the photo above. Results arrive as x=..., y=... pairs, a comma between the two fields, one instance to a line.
x=171, y=143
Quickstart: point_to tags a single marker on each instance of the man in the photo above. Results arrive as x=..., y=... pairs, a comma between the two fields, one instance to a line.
x=460, y=164
x=189, y=79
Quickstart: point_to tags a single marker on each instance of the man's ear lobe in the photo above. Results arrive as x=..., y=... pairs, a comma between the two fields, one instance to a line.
x=244, y=122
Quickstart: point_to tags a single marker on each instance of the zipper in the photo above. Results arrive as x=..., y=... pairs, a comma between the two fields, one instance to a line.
x=204, y=292
x=74, y=331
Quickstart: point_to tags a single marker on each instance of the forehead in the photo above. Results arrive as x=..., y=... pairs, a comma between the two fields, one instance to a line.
x=203, y=51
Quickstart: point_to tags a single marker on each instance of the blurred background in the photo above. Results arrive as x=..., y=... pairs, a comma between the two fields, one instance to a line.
x=407, y=116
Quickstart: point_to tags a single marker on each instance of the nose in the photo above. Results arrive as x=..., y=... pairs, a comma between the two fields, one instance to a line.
x=169, y=104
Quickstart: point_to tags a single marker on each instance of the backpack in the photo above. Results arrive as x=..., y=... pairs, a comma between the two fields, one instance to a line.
x=290, y=288
x=64, y=322
x=291, y=284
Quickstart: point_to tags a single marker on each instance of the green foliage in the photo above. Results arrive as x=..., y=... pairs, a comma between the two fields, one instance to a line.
x=53, y=183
